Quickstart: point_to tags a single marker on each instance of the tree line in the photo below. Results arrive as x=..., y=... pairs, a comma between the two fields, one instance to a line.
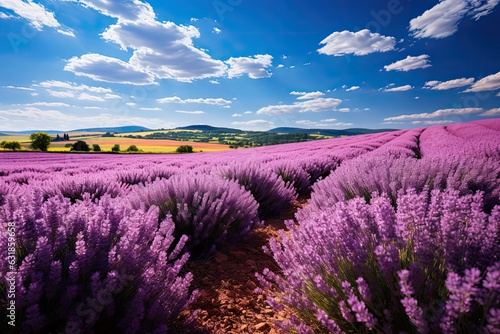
x=65, y=137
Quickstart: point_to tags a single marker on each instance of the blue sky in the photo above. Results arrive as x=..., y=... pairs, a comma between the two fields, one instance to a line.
x=247, y=64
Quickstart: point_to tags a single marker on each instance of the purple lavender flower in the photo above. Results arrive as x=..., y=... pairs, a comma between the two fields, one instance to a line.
x=358, y=307
x=268, y=189
x=70, y=275
x=207, y=209
x=412, y=268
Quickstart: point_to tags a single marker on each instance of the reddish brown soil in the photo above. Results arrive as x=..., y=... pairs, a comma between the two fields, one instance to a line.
x=226, y=281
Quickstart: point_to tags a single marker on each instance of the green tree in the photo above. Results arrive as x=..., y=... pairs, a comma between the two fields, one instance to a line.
x=185, y=149
x=115, y=148
x=96, y=148
x=132, y=148
x=11, y=145
x=40, y=141
x=80, y=146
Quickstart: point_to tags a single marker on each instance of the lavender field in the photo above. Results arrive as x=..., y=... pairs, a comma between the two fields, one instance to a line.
x=400, y=233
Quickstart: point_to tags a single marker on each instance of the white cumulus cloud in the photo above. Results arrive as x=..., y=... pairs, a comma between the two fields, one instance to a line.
x=442, y=20
x=307, y=96
x=151, y=109
x=36, y=14
x=89, y=97
x=352, y=88
x=4, y=16
x=255, y=67
x=67, y=32
x=359, y=43
x=491, y=112
x=66, y=89
x=491, y=82
x=124, y=11
x=161, y=50
x=61, y=94
x=399, y=89
x=211, y=101
x=192, y=112
x=409, y=63
x=436, y=114
x=165, y=50
x=450, y=84
x=48, y=104
x=55, y=84
x=108, y=69
x=18, y=88
x=313, y=105
x=482, y=7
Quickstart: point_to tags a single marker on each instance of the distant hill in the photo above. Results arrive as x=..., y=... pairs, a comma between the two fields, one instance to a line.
x=3, y=134
x=329, y=132
x=116, y=129
x=209, y=128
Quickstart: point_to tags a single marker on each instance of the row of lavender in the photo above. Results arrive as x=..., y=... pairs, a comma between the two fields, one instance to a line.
x=406, y=242
x=100, y=241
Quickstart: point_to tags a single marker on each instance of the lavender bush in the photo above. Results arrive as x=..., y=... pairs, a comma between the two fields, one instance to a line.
x=5, y=189
x=92, y=267
x=318, y=168
x=207, y=209
x=144, y=175
x=268, y=189
x=388, y=174
x=432, y=265
x=292, y=173
x=74, y=188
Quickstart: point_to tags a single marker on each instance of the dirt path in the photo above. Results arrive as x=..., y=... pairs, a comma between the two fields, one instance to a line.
x=226, y=281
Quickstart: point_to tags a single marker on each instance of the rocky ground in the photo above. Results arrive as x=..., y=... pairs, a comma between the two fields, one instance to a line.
x=226, y=281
